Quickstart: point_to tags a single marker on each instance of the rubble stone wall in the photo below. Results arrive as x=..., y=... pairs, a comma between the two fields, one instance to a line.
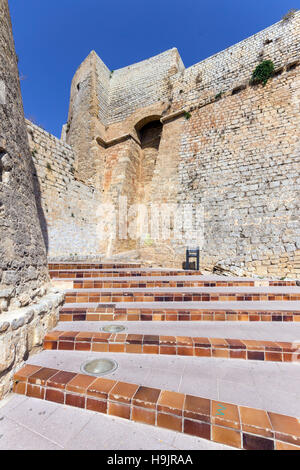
x=28, y=306
x=23, y=263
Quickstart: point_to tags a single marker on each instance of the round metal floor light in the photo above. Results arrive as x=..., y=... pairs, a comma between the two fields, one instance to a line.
x=99, y=367
x=113, y=328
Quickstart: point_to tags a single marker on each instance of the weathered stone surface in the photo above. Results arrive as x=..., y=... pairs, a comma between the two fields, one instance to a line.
x=22, y=333
x=7, y=352
x=69, y=205
x=35, y=335
x=5, y=293
x=24, y=277
x=17, y=323
x=21, y=242
x=3, y=326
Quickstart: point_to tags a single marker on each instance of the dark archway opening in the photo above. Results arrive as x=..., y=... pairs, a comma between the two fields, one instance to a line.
x=150, y=136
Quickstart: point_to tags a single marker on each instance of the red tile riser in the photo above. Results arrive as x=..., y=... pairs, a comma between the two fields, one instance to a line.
x=82, y=266
x=200, y=347
x=126, y=284
x=94, y=297
x=110, y=274
x=179, y=412
x=81, y=275
x=104, y=314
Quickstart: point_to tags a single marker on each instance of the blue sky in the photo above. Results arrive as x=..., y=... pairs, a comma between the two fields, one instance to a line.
x=54, y=36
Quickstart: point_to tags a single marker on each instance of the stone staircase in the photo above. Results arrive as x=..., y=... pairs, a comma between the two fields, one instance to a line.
x=235, y=377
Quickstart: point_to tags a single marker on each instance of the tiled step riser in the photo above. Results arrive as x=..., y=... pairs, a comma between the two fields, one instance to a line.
x=152, y=284
x=240, y=427
x=284, y=283
x=147, y=344
x=104, y=274
x=123, y=274
x=110, y=314
x=74, y=266
x=86, y=297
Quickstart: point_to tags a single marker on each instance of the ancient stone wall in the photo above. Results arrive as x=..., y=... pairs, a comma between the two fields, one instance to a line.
x=70, y=206
x=87, y=115
x=22, y=334
x=232, y=68
x=28, y=306
x=240, y=158
x=100, y=98
x=239, y=154
x=23, y=268
x=142, y=84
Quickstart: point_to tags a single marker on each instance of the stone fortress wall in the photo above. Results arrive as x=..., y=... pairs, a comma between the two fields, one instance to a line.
x=240, y=153
x=224, y=143
x=28, y=306
x=241, y=158
x=142, y=84
x=69, y=205
x=23, y=259
x=231, y=69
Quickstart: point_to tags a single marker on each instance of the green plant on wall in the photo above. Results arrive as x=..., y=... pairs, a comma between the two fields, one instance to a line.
x=290, y=14
x=148, y=241
x=187, y=115
x=219, y=96
x=263, y=72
